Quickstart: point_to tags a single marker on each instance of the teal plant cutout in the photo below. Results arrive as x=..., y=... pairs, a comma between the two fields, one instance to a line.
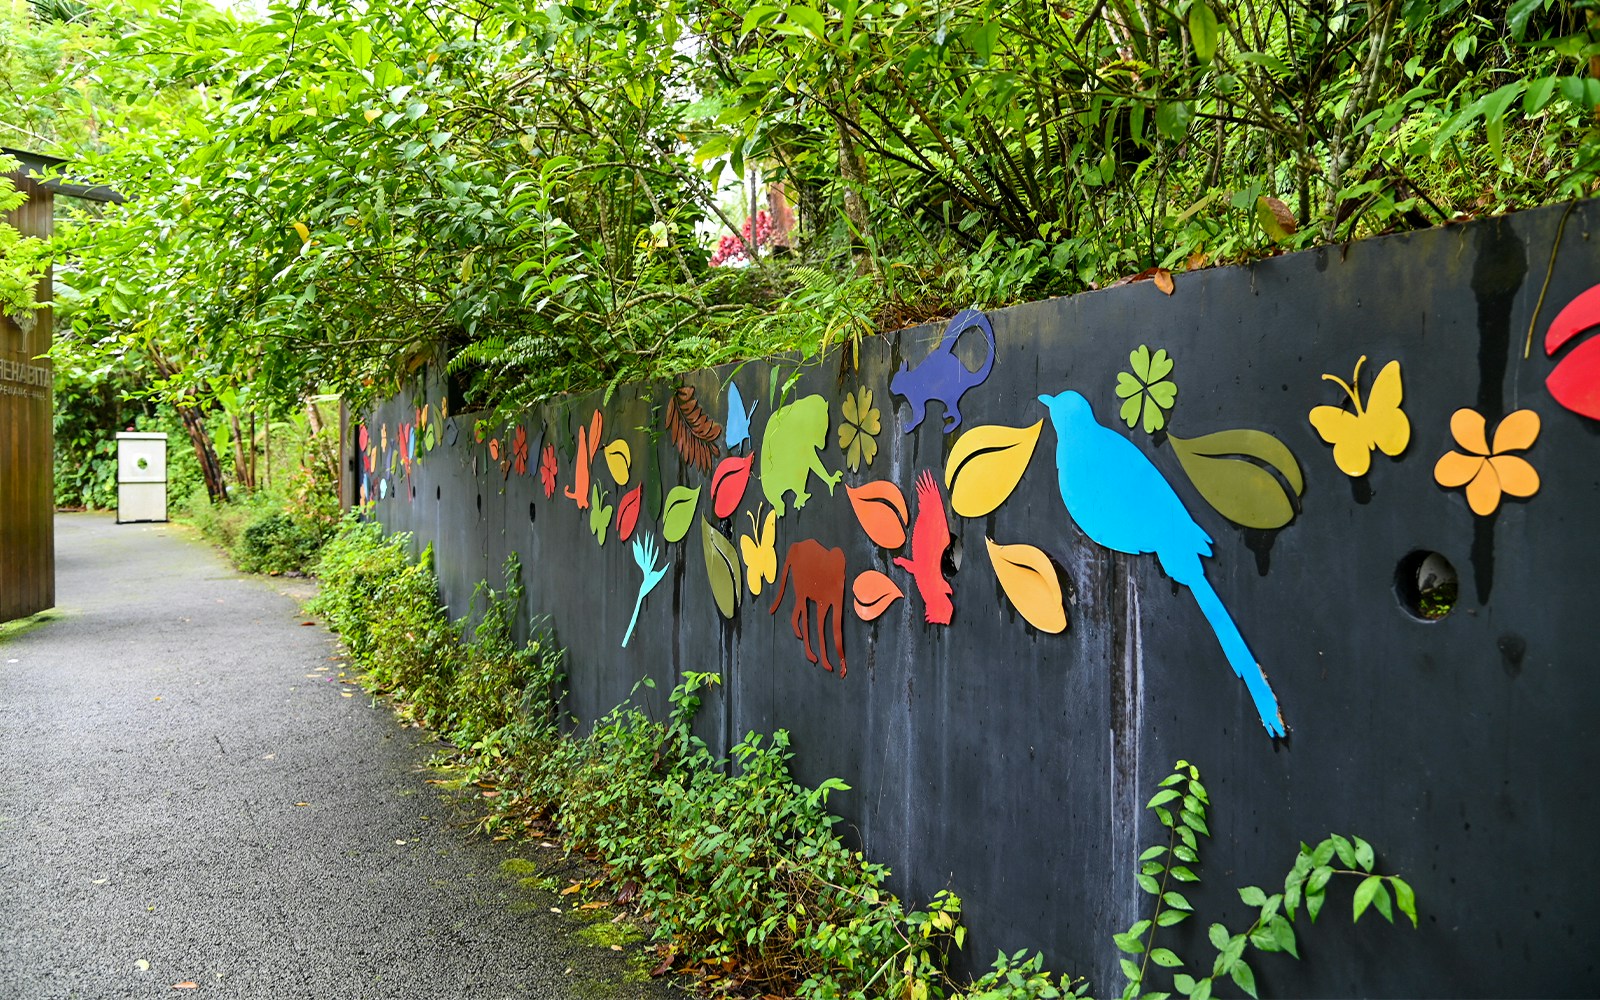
x=1147, y=392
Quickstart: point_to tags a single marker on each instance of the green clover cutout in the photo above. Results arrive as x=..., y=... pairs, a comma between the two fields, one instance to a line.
x=1147, y=392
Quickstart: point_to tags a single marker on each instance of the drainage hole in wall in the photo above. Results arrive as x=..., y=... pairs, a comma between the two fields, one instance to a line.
x=480, y=504
x=413, y=492
x=1426, y=585
x=438, y=492
x=530, y=512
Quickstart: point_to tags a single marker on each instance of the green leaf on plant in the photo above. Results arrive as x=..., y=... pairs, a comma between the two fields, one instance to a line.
x=1404, y=898
x=1165, y=958
x=1218, y=936
x=1175, y=900
x=1163, y=796
x=1167, y=918
x=1252, y=896
x=1244, y=978
x=1183, y=983
x=1365, y=893
x=1364, y=853
x=1203, y=31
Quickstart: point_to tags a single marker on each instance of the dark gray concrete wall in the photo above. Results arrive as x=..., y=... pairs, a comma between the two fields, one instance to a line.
x=1011, y=765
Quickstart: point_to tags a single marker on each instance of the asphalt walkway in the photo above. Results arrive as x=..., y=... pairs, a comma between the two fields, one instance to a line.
x=188, y=795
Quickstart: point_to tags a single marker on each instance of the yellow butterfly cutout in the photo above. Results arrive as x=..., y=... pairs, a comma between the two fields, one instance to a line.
x=760, y=552
x=1379, y=424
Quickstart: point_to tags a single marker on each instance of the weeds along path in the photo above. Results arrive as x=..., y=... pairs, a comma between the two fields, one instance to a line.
x=189, y=796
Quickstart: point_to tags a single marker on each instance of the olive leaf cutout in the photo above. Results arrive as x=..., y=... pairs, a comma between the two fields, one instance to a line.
x=1224, y=468
x=881, y=509
x=722, y=568
x=986, y=464
x=620, y=461
x=678, y=514
x=1030, y=580
x=874, y=592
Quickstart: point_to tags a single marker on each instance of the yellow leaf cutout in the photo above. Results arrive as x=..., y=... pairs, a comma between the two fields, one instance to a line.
x=1379, y=423
x=619, y=460
x=986, y=464
x=305, y=234
x=1029, y=579
x=760, y=552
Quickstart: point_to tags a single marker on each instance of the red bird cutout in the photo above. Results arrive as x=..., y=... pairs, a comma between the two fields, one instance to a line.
x=930, y=536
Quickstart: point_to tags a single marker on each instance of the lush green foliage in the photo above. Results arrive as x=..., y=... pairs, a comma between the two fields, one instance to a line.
x=331, y=195
x=732, y=860
x=267, y=531
x=1181, y=805
x=22, y=258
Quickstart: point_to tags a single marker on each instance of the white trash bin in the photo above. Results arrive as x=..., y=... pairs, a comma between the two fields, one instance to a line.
x=141, y=477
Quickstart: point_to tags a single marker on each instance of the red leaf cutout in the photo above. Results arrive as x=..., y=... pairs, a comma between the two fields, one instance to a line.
x=1575, y=383
x=628, y=512
x=881, y=509
x=1578, y=315
x=728, y=484
x=873, y=593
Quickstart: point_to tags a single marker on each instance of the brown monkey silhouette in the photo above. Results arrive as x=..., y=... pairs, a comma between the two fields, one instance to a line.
x=818, y=576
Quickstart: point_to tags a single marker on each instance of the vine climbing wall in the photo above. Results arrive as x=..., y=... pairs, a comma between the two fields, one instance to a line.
x=1324, y=525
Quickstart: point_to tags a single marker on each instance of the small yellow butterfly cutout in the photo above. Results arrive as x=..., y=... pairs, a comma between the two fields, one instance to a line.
x=760, y=552
x=1379, y=423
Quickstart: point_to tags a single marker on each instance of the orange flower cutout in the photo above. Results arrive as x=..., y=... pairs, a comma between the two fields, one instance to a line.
x=1489, y=473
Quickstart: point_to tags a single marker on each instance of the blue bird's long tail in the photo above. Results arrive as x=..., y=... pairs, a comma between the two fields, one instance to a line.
x=1239, y=656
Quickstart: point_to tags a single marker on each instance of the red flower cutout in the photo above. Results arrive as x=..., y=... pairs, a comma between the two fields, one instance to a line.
x=547, y=470
x=519, y=451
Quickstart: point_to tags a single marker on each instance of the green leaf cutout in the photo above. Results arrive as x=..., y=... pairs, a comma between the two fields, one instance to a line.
x=722, y=568
x=678, y=513
x=1220, y=466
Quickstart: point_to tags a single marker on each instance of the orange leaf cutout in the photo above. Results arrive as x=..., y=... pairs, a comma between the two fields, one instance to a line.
x=881, y=509
x=873, y=593
x=1029, y=579
x=728, y=484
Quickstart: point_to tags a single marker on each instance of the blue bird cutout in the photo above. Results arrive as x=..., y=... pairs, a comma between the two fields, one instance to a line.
x=1121, y=501
x=738, y=422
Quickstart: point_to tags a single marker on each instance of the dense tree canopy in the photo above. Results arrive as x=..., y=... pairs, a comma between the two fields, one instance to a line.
x=333, y=194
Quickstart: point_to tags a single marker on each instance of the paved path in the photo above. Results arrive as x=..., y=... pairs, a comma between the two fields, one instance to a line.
x=180, y=785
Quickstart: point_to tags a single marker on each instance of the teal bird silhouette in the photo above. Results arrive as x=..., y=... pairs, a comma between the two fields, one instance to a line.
x=1120, y=500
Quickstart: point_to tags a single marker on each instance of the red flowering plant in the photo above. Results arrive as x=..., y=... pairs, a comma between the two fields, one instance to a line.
x=732, y=250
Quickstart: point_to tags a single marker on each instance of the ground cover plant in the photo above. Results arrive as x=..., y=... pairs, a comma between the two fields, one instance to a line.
x=738, y=868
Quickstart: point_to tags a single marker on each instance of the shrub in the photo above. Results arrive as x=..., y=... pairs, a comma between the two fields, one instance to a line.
x=734, y=861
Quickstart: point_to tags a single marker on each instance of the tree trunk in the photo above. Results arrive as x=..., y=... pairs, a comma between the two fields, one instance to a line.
x=241, y=463
x=194, y=423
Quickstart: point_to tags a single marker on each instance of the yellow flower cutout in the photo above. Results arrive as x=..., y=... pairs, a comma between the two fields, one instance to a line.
x=859, y=428
x=1488, y=472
